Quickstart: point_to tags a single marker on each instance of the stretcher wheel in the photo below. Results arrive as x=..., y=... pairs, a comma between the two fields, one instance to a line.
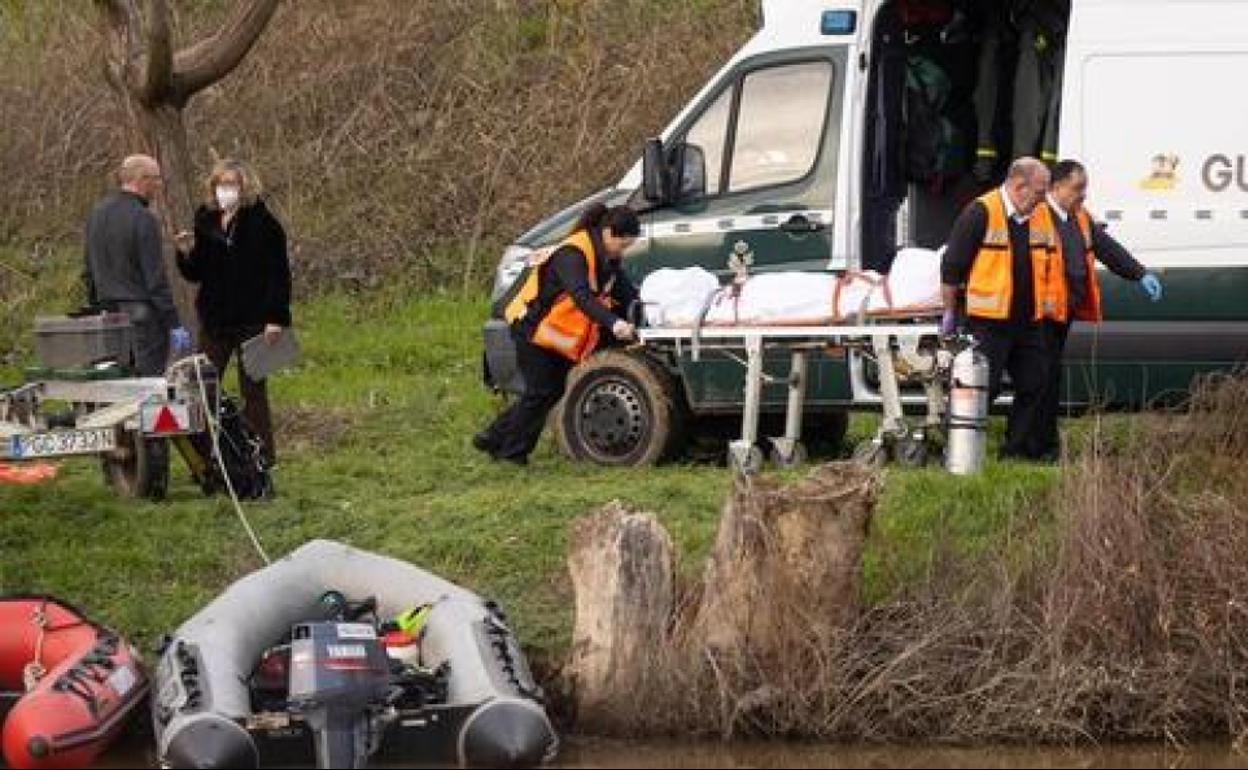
x=871, y=452
x=747, y=464
x=911, y=451
x=620, y=408
x=139, y=469
x=790, y=459
x=823, y=433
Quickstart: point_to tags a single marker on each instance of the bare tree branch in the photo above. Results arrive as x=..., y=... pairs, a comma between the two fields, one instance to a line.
x=207, y=61
x=123, y=15
x=123, y=49
x=159, y=70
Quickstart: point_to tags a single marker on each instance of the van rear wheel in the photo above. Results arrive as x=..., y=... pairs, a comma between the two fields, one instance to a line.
x=620, y=409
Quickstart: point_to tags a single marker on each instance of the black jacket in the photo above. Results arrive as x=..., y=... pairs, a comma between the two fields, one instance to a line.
x=1109, y=252
x=965, y=240
x=567, y=270
x=123, y=256
x=243, y=272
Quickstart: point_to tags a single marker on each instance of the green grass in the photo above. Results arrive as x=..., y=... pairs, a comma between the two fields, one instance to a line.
x=926, y=515
x=32, y=282
x=373, y=437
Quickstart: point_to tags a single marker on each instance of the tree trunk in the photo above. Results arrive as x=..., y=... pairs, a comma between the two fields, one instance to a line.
x=786, y=566
x=622, y=570
x=155, y=82
x=164, y=132
x=780, y=585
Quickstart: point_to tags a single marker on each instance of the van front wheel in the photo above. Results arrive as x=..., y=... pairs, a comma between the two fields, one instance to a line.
x=620, y=409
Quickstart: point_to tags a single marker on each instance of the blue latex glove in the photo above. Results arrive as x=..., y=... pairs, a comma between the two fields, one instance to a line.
x=1152, y=286
x=949, y=322
x=180, y=340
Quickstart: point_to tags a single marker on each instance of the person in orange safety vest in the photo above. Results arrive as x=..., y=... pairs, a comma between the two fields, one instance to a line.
x=1002, y=270
x=1082, y=244
x=559, y=309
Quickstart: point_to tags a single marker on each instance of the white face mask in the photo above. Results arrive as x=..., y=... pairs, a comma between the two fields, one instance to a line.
x=227, y=196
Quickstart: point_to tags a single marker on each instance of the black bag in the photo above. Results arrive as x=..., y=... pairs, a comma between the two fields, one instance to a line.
x=242, y=453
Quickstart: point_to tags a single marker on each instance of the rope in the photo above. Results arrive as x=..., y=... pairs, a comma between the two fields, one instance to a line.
x=33, y=671
x=214, y=432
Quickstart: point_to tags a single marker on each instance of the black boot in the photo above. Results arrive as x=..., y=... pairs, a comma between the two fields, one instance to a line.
x=484, y=442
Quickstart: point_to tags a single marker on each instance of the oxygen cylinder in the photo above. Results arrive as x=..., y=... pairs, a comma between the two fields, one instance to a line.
x=968, y=413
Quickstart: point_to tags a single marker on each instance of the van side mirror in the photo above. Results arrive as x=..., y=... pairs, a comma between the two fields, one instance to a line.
x=654, y=173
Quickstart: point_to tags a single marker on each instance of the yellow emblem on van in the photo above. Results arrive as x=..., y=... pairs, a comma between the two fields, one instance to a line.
x=1164, y=175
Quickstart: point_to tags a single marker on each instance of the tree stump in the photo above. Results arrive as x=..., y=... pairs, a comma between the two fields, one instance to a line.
x=781, y=583
x=622, y=568
x=786, y=569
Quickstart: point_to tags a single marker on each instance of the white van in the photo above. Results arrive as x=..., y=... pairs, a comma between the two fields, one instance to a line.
x=844, y=130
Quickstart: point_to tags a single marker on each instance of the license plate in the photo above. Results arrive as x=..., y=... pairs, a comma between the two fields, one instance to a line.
x=62, y=442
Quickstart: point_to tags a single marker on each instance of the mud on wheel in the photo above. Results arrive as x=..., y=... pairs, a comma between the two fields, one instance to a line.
x=620, y=408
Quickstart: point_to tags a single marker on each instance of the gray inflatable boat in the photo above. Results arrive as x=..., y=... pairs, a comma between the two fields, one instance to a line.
x=345, y=700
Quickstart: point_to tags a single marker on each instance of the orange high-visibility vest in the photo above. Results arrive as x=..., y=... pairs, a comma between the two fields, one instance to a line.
x=990, y=289
x=1090, y=308
x=564, y=329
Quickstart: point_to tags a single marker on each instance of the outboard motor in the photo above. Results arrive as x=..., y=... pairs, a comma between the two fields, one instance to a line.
x=339, y=680
x=968, y=412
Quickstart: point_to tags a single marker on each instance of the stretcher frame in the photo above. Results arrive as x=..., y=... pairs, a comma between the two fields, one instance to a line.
x=904, y=350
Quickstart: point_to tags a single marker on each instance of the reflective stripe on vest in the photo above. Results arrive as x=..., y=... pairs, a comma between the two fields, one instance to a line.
x=1090, y=308
x=1048, y=271
x=990, y=288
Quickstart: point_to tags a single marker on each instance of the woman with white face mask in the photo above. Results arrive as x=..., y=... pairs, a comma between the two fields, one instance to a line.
x=237, y=255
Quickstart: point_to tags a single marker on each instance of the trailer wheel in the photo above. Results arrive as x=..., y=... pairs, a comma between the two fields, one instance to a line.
x=620, y=409
x=139, y=469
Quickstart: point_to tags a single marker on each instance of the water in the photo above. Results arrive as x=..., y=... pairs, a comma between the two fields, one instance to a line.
x=594, y=753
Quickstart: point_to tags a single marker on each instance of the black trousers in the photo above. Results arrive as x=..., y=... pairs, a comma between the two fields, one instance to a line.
x=220, y=345
x=1049, y=442
x=1024, y=351
x=151, y=337
x=515, y=432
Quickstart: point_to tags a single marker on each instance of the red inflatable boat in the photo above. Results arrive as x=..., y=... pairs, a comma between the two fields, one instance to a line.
x=80, y=681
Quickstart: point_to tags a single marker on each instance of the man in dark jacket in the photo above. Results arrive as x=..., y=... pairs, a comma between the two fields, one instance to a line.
x=124, y=267
x=1065, y=201
x=998, y=229
x=565, y=288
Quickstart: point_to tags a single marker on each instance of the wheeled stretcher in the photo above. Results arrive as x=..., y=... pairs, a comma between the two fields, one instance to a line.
x=891, y=321
x=903, y=352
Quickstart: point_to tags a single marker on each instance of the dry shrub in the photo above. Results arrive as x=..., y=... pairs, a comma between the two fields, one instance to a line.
x=1128, y=621
x=303, y=427
x=57, y=142
x=401, y=139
